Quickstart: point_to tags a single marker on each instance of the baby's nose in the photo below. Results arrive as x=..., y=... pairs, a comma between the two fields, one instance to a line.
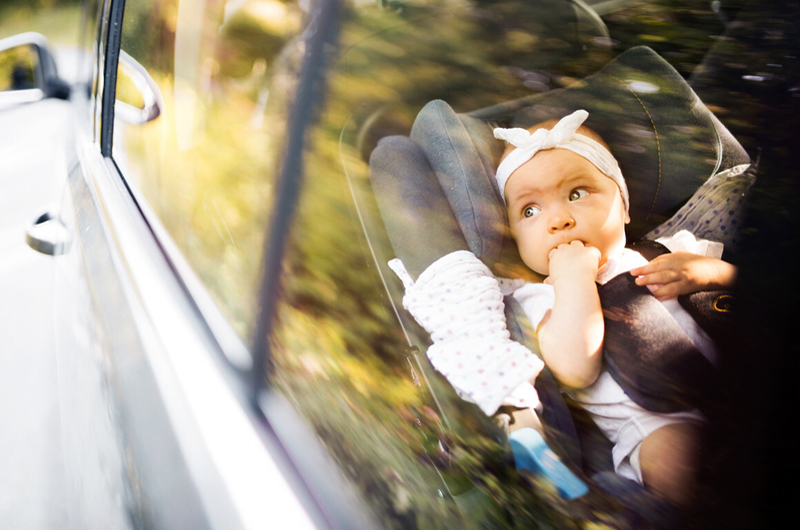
x=561, y=221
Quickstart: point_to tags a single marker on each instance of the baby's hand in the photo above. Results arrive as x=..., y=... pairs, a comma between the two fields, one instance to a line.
x=671, y=275
x=573, y=260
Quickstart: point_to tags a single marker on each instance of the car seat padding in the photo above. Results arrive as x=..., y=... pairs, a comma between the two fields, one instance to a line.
x=418, y=217
x=463, y=156
x=665, y=139
x=437, y=193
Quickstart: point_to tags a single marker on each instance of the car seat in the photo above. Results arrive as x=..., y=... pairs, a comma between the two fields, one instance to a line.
x=437, y=194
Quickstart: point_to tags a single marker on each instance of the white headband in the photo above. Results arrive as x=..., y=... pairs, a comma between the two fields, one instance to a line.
x=562, y=136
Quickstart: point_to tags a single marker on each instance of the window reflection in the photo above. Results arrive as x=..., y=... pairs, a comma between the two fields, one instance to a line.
x=19, y=68
x=343, y=351
x=206, y=164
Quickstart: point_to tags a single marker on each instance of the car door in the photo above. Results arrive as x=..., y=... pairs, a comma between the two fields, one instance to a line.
x=33, y=134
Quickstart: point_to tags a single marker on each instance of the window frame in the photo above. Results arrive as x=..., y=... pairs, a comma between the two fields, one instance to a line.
x=315, y=478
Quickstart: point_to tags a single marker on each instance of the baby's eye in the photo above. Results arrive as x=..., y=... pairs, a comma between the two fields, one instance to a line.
x=578, y=194
x=530, y=211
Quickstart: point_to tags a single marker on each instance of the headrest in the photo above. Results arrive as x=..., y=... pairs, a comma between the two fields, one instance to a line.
x=463, y=155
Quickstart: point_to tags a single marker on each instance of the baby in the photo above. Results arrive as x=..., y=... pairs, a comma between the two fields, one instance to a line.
x=567, y=206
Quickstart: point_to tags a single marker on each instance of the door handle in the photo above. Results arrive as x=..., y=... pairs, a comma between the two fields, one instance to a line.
x=48, y=235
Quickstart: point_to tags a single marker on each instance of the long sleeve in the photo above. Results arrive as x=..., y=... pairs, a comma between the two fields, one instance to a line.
x=460, y=303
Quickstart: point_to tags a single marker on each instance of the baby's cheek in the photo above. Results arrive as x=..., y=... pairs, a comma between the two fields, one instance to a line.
x=542, y=267
x=529, y=247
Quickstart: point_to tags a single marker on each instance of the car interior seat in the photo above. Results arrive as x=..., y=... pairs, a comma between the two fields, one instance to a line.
x=436, y=192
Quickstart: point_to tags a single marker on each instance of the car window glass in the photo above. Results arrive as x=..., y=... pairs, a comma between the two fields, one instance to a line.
x=343, y=350
x=221, y=76
x=197, y=126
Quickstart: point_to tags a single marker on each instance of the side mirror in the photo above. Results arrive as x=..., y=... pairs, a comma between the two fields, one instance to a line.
x=139, y=99
x=27, y=71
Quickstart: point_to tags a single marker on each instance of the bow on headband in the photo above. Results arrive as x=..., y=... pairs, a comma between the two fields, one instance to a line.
x=564, y=136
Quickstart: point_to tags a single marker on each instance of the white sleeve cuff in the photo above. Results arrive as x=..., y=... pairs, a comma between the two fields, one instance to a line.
x=685, y=241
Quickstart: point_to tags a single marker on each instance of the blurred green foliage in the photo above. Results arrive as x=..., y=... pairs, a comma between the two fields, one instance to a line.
x=57, y=20
x=206, y=164
x=17, y=68
x=15, y=5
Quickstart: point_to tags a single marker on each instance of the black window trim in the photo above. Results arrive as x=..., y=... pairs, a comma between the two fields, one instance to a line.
x=323, y=37
x=112, y=46
x=339, y=503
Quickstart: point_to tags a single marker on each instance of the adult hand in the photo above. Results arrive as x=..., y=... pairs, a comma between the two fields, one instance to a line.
x=671, y=275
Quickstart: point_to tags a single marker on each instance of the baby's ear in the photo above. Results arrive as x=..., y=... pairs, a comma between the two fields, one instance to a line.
x=627, y=217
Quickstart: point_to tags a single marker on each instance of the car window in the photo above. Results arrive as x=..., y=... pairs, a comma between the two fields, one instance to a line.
x=343, y=349
x=198, y=126
x=204, y=101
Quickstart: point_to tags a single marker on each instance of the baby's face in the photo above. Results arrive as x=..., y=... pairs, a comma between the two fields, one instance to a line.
x=559, y=197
